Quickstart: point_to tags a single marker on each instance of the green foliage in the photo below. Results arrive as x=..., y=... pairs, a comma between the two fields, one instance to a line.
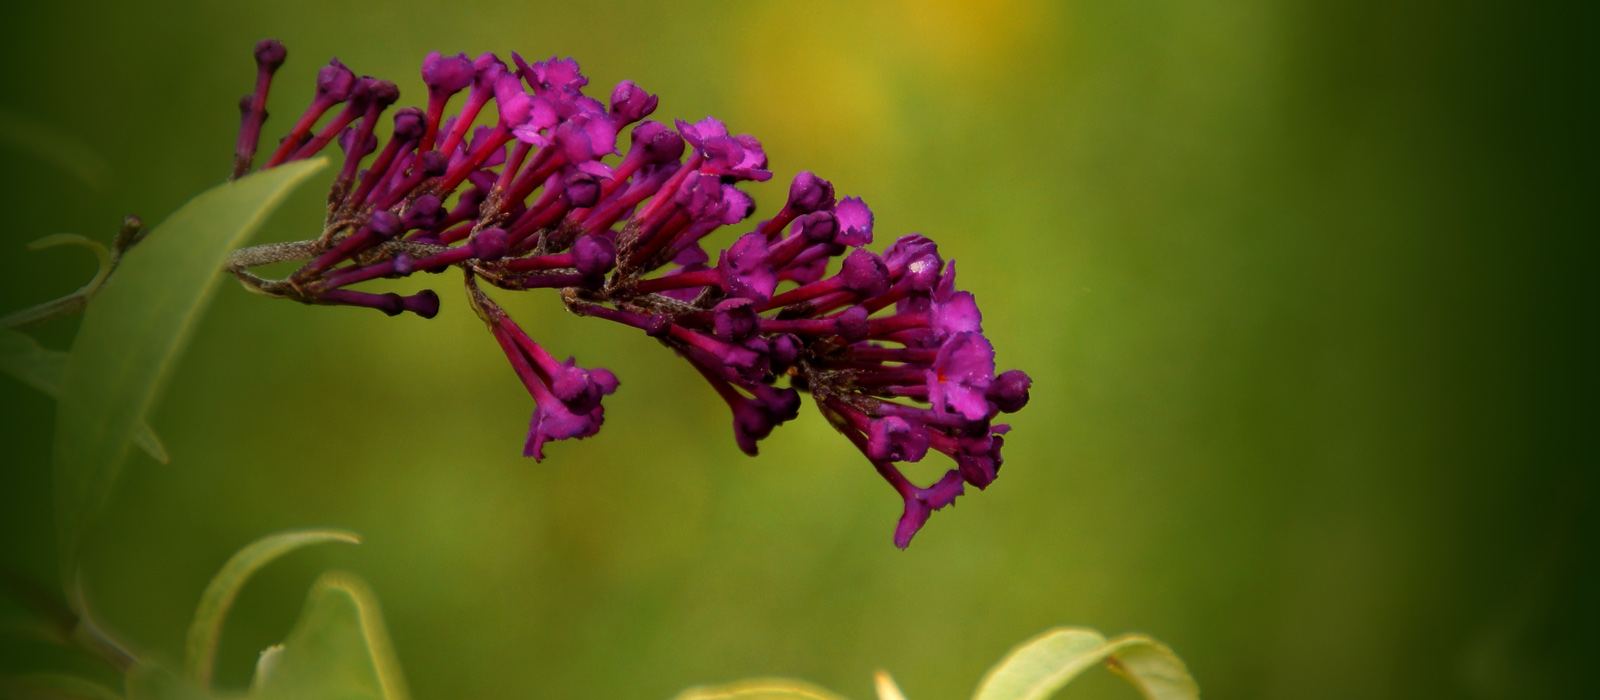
x=41, y=368
x=759, y=689
x=1035, y=670
x=134, y=330
x=1039, y=667
x=338, y=650
x=206, y=629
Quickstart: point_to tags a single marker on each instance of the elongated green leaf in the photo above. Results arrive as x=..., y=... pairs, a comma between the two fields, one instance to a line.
x=1039, y=667
x=53, y=686
x=133, y=330
x=206, y=629
x=338, y=650
x=40, y=368
x=759, y=689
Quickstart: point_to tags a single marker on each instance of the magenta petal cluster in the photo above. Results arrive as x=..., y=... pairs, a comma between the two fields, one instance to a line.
x=540, y=196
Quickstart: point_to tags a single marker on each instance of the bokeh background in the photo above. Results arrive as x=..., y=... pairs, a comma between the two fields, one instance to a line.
x=1298, y=284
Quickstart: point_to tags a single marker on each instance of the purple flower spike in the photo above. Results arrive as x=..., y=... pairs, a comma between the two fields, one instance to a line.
x=865, y=274
x=894, y=439
x=270, y=54
x=335, y=81
x=1009, y=392
x=961, y=374
x=269, y=57
x=855, y=221
x=744, y=269
x=921, y=503
x=630, y=103
x=893, y=353
x=446, y=75
x=733, y=319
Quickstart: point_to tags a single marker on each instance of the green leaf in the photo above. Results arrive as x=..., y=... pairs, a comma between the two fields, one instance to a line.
x=22, y=357
x=759, y=689
x=53, y=686
x=1039, y=667
x=157, y=683
x=201, y=649
x=135, y=328
x=338, y=650
x=31, y=364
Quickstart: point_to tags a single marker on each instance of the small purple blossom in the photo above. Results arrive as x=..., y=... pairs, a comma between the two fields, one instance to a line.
x=892, y=353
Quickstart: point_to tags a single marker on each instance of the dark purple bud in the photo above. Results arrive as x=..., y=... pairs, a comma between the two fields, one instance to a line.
x=809, y=193
x=270, y=54
x=424, y=212
x=403, y=265
x=434, y=163
x=446, y=75
x=784, y=349
x=1009, y=391
x=489, y=244
x=335, y=81
x=853, y=324
x=582, y=188
x=865, y=274
x=733, y=319
x=409, y=123
x=385, y=224
x=660, y=144
x=893, y=439
x=818, y=226
x=424, y=303
x=630, y=103
x=594, y=255
x=384, y=93
x=908, y=248
x=923, y=273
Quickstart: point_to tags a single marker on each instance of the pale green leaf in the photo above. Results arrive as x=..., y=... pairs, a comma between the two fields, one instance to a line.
x=1039, y=667
x=759, y=689
x=22, y=357
x=53, y=686
x=887, y=690
x=40, y=368
x=206, y=629
x=156, y=683
x=338, y=650
x=135, y=327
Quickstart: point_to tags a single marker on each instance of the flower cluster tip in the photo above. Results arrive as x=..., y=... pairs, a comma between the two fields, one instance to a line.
x=539, y=196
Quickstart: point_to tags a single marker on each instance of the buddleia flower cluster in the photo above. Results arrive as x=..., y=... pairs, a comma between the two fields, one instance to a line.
x=521, y=186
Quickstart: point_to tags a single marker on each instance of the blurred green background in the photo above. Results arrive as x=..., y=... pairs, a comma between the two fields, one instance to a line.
x=1297, y=284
